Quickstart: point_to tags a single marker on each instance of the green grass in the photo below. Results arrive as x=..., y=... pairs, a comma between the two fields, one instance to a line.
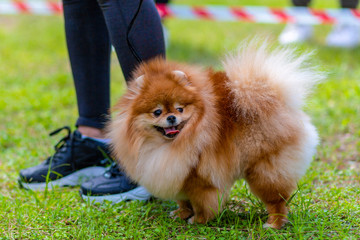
x=37, y=96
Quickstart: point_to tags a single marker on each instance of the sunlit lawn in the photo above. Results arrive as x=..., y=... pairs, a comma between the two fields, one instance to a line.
x=37, y=96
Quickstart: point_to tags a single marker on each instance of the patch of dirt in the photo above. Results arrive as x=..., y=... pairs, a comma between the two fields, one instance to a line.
x=8, y=22
x=345, y=150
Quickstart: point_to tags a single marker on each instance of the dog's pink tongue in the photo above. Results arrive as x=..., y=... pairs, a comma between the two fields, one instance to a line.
x=171, y=130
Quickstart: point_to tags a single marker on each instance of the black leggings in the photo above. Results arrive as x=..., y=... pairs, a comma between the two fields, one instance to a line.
x=344, y=3
x=91, y=26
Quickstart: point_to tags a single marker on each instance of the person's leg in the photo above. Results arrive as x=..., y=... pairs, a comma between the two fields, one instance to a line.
x=297, y=32
x=89, y=50
x=79, y=157
x=301, y=3
x=345, y=34
x=135, y=31
x=349, y=3
x=162, y=1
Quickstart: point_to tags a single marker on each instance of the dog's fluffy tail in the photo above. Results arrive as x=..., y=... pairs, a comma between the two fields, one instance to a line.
x=260, y=79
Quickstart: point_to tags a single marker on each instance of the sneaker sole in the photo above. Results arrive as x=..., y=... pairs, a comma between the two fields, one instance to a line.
x=70, y=180
x=139, y=193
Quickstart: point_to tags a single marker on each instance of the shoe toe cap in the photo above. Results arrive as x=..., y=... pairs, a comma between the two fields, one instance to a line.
x=106, y=186
x=32, y=174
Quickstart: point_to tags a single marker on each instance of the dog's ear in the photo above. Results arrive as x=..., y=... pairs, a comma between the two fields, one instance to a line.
x=139, y=82
x=181, y=77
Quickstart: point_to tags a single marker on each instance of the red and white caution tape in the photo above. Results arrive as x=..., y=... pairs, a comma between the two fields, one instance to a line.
x=262, y=14
x=30, y=7
x=216, y=13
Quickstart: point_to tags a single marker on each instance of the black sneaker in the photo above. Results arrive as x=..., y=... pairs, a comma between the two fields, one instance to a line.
x=76, y=160
x=113, y=186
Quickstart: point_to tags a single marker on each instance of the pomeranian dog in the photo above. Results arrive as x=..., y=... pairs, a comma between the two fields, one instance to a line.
x=187, y=133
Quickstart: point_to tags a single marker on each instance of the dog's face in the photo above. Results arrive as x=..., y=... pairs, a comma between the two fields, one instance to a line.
x=170, y=119
x=166, y=104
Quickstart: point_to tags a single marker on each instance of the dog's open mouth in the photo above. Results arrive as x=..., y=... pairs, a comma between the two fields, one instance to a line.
x=170, y=132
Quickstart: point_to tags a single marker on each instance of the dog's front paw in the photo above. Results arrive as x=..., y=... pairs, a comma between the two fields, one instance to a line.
x=197, y=219
x=173, y=214
x=277, y=224
x=267, y=225
x=183, y=213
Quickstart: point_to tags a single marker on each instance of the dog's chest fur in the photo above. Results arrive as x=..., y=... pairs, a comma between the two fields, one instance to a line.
x=163, y=171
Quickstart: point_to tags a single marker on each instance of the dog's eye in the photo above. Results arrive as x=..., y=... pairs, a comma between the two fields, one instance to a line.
x=157, y=112
x=180, y=109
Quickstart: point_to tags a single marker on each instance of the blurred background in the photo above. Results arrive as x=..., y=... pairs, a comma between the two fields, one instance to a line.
x=37, y=96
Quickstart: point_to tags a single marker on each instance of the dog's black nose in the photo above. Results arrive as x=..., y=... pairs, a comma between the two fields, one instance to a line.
x=171, y=119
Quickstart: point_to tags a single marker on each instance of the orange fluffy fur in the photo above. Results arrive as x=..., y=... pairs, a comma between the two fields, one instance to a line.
x=243, y=122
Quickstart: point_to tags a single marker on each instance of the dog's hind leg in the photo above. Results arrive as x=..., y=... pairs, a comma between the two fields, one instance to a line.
x=274, y=191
